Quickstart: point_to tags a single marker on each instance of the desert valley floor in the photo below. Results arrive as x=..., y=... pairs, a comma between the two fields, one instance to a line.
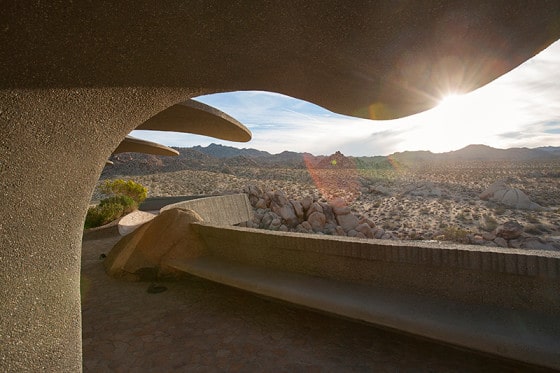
x=419, y=201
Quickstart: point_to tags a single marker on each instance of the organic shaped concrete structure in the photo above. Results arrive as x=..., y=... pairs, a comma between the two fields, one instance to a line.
x=198, y=118
x=189, y=117
x=132, y=144
x=77, y=78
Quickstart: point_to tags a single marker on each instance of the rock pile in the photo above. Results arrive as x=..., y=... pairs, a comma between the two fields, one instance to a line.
x=274, y=211
x=511, y=234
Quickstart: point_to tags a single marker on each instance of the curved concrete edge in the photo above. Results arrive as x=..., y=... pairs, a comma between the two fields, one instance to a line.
x=104, y=231
x=130, y=222
x=195, y=117
x=139, y=254
x=517, y=335
x=134, y=145
x=219, y=210
x=157, y=203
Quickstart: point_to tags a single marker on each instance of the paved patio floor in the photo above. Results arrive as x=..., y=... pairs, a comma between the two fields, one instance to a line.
x=200, y=326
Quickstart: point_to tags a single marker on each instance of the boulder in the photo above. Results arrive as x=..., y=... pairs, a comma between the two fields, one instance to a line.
x=493, y=188
x=306, y=203
x=298, y=209
x=328, y=211
x=537, y=243
x=306, y=226
x=317, y=221
x=315, y=207
x=511, y=197
x=287, y=213
x=267, y=219
x=365, y=229
x=509, y=230
x=347, y=221
x=341, y=210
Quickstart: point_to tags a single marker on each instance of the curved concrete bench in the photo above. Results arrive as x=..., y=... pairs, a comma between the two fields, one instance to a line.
x=514, y=334
x=504, y=302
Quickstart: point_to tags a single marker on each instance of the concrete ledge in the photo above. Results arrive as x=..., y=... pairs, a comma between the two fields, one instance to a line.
x=220, y=210
x=461, y=273
x=156, y=203
x=500, y=301
x=514, y=334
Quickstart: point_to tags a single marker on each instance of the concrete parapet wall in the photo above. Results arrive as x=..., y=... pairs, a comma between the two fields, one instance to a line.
x=220, y=210
x=156, y=203
x=517, y=279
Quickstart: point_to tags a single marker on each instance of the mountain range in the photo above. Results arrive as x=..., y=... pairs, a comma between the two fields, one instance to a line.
x=220, y=158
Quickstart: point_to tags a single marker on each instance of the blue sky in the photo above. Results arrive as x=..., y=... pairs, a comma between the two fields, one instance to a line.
x=520, y=109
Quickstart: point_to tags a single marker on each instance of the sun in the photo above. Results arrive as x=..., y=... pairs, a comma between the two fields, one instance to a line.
x=451, y=101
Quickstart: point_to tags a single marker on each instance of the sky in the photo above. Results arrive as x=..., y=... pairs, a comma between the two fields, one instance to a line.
x=519, y=109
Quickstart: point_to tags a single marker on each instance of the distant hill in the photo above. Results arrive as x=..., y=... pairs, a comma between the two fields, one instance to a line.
x=220, y=158
x=480, y=153
x=221, y=151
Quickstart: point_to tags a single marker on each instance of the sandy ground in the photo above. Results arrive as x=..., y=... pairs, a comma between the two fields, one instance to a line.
x=200, y=326
x=420, y=202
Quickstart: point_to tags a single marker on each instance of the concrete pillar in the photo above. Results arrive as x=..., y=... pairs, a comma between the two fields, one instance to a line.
x=53, y=147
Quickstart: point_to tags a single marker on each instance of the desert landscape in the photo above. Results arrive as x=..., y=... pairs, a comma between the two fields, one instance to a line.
x=477, y=195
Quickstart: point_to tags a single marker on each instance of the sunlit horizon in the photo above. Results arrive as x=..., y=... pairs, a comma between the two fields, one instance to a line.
x=519, y=109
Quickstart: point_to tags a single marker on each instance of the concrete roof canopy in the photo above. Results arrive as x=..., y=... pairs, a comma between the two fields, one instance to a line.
x=188, y=117
x=195, y=117
x=68, y=70
x=134, y=145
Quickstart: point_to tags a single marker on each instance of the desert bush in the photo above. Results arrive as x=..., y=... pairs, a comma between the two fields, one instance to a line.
x=101, y=215
x=499, y=210
x=489, y=223
x=128, y=188
x=455, y=234
x=124, y=197
x=127, y=203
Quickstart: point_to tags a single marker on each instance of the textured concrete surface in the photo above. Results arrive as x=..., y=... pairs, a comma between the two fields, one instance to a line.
x=198, y=118
x=131, y=144
x=168, y=235
x=504, y=331
x=78, y=77
x=467, y=274
x=130, y=222
x=201, y=326
x=219, y=210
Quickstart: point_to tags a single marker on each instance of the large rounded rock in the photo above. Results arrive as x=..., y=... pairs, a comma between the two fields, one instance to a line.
x=317, y=221
x=509, y=230
x=493, y=188
x=511, y=197
x=347, y=221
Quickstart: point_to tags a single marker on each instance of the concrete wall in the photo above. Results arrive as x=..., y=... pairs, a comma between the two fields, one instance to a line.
x=510, y=278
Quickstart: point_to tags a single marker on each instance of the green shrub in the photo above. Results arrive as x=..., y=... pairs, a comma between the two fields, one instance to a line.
x=127, y=203
x=124, y=197
x=103, y=214
x=129, y=188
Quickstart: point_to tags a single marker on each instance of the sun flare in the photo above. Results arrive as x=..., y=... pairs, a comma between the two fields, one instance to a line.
x=450, y=101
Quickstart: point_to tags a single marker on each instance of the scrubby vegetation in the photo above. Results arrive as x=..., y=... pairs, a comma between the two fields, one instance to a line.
x=122, y=198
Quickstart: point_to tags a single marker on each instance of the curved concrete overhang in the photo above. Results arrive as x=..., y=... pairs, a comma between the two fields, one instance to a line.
x=134, y=145
x=78, y=77
x=195, y=117
x=379, y=60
